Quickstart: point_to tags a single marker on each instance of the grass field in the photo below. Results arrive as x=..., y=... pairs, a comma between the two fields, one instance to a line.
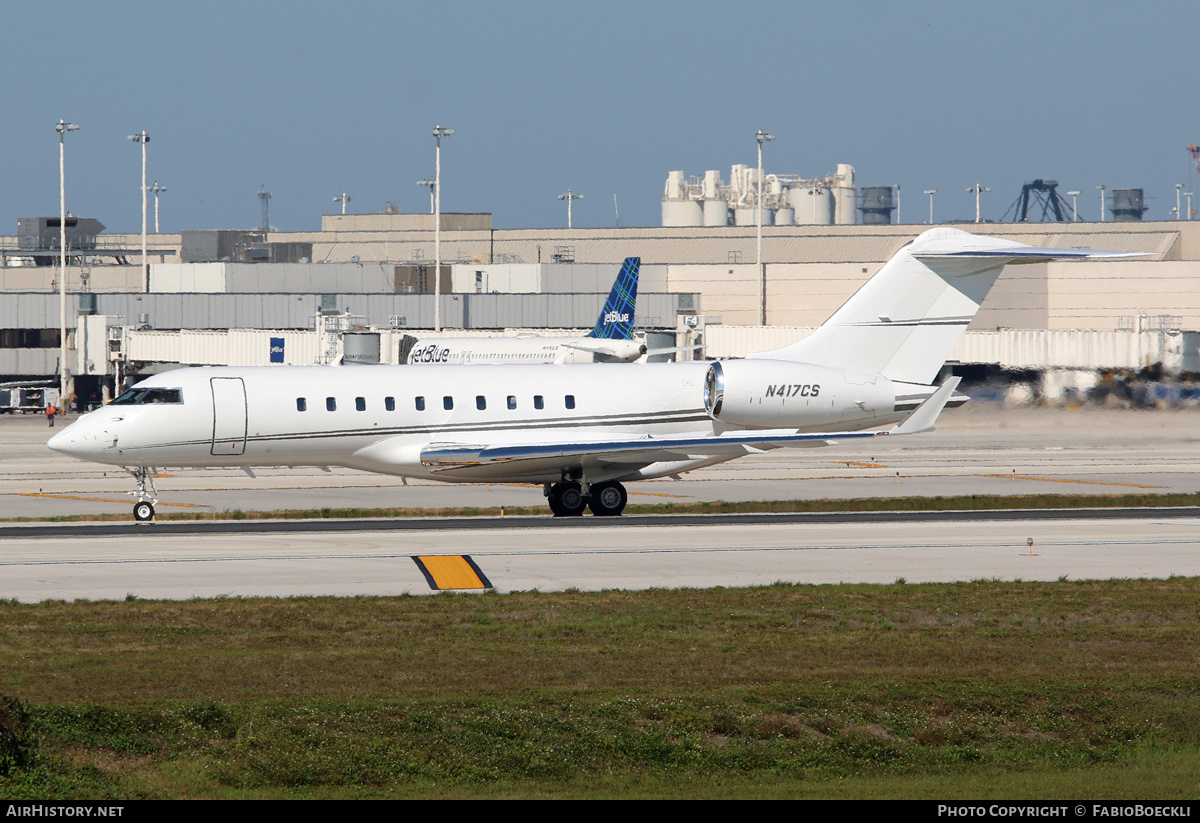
x=975, y=690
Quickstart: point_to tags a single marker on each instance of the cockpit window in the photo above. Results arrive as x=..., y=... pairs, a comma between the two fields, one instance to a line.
x=142, y=397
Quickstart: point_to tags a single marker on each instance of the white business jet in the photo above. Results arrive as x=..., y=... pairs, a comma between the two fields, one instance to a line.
x=580, y=431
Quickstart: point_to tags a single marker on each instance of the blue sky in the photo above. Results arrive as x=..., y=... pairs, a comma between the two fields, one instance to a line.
x=312, y=99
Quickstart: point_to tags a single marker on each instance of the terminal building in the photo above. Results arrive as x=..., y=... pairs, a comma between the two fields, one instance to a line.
x=352, y=290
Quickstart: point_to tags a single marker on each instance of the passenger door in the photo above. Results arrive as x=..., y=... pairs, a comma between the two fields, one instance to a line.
x=229, y=415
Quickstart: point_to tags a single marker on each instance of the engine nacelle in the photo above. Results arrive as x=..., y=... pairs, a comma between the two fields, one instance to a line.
x=780, y=394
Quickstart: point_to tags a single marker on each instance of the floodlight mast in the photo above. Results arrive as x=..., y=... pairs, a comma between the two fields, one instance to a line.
x=154, y=187
x=62, y=128
x=762, y=137
x=343, y=199
x=430, y=184
x=438, y=133
x=570, y=197
x=1074, y=206
x=143, y=138
x=931, y=193
x=977, y=189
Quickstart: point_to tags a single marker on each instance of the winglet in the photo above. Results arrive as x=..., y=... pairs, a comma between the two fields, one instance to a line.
x=926, y=414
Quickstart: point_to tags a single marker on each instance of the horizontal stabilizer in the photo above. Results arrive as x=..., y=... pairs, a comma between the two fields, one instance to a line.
x=906, y=320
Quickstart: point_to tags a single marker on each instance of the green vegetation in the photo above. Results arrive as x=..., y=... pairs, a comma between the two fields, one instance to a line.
x=964, y=502
x=982, y=689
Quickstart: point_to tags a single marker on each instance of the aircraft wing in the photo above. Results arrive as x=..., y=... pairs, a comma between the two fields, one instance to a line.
x=643, y=450
x=637, y=450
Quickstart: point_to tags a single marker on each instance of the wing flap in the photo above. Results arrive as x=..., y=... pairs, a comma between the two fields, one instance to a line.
x=637, y=451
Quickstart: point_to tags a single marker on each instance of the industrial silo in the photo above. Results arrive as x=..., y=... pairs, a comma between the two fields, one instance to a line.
x=877, y=205
x=813, y=205
x=744, y=216
x=716, y=209
x=1127, y=205
x=844, y=191
x=716, y=212
x=677, y=208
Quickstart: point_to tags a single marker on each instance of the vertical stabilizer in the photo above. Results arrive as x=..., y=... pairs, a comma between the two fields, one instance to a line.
x=906, y=320
x=616, y=318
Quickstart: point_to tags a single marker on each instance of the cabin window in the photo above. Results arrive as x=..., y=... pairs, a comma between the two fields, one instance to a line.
x=360, y=403
x=480, y=402
x=420, y=402
x=512, y=402
x=301, y=404
x=389, y=403
x=570, y=401
x=331, y=404
x=447, y=402
x=538, y=403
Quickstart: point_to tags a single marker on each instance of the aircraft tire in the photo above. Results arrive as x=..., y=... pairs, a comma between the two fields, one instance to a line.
x=143, y=511
x=608, y=499
x=567, y=500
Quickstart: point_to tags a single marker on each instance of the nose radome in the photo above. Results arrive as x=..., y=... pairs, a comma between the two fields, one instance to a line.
x=63, y=441
x=72, y=440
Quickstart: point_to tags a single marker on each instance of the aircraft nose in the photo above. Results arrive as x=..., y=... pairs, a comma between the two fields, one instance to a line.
x=74, y=440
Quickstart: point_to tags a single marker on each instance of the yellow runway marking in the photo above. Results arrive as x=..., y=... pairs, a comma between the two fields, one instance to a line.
x=1069, y=480
x=451, y=571
x=868, y=465
x=104, y=499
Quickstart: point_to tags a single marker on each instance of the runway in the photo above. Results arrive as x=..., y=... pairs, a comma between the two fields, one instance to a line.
x=627, y=554
x=986, y=451
x=976, y=450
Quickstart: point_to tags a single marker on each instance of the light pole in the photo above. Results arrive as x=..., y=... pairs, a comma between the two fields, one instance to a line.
x=1074, y=206
x=1178, y=192
x=343, y=199
x=430, y=184
x=761, y=137
x=977, y=189
x=1101, y=187
x=62, y=128
x=931, y=193
x=1188, y=195
x=569, y=197
x=143, y=138
x=897, y=204
x=154, y=187
x=438, y=132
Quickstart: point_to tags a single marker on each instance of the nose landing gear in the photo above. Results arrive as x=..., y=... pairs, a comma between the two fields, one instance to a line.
x=143, y=509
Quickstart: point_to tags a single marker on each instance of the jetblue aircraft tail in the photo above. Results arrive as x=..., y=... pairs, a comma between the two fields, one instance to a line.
x=616, y=318
x=906, y=320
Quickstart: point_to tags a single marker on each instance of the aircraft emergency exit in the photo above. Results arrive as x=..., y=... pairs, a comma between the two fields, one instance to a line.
x=579, y=431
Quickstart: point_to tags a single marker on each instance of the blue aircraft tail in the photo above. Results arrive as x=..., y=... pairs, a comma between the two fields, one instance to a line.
x=616, y=318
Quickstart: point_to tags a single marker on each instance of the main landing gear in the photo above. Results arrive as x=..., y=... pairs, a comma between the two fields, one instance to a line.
x=143, y=509
x=568, y=499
